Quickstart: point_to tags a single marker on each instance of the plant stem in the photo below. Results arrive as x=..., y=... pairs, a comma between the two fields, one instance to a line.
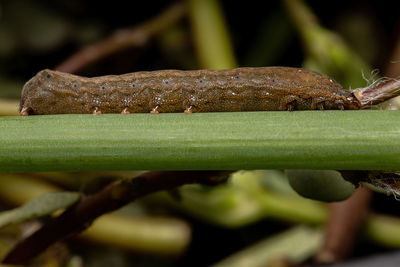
x=384, y=229
x=8, y=107
x=356, y=140
x=211, y=36
x=156, y=235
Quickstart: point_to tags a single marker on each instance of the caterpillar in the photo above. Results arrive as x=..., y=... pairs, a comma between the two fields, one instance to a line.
x=240, y=89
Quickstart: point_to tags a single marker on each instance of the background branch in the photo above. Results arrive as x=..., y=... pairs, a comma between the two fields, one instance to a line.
x=121, y=39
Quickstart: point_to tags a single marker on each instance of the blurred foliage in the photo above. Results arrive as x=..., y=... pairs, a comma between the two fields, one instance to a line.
x=325, y=50
x=43, y=205
x=45, y=30
x=297, y=244
x=211, y=37
x=326, y=186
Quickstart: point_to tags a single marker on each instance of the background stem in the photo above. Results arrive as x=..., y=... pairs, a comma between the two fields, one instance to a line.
x=211, y=36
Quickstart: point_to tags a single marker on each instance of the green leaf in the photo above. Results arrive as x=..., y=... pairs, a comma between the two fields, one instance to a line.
x=42, y=205
x=326, y=51
x=320, y=185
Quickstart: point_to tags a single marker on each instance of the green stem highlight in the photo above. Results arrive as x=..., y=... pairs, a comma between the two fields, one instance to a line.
x=341, y=140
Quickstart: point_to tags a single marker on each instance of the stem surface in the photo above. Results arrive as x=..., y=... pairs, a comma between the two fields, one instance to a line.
x=355, y=140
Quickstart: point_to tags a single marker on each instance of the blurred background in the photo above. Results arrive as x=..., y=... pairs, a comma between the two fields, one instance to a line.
x=256, y=218
x=43, y=34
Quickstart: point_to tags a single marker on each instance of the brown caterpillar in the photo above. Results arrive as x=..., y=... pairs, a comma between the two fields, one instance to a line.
x=241, y=89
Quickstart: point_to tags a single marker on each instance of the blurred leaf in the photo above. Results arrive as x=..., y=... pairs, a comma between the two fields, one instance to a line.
x=42, y=205
x=320, y=185
x=273, y=37
x=34, y=25
x=359, y=29
x=244, y=199
x=326, y=51
x=276, y=181
x=89, y=31
x=296, y=245
x=177, y=48
x=10, y=88
x=8, y=41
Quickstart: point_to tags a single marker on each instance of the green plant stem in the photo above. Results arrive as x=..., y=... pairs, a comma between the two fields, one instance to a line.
x=355, y=140
x=211, y=36
x=157, y=235
x=384, y=229
x=8, y=107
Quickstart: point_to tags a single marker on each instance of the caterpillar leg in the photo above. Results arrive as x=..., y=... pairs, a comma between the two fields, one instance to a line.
x=289, y=103
x=96, y=111
x=125, y=111
x=25, y=111
x=317, y=104
x=320, y=106
x=291, y=106
x=154, y=110
x=188, y=110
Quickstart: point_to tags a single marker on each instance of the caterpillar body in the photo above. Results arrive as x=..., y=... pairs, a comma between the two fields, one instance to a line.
x=240, y=89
